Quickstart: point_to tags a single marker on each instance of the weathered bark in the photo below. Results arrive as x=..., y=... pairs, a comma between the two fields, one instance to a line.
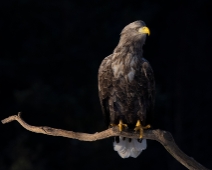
x=165, y=138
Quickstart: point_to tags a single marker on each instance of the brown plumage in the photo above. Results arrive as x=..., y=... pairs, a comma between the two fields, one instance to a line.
x=126, y=81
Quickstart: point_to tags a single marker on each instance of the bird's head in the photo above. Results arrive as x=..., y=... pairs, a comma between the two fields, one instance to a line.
x=135, y=32
x=136, y=28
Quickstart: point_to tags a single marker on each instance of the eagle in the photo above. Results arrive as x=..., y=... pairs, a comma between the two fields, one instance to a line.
x=126, y=88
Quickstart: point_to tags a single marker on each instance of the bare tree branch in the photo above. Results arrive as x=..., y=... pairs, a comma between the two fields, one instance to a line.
x=165, y=138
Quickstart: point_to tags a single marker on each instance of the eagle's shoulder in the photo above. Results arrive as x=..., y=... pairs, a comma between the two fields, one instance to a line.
x=105, y=64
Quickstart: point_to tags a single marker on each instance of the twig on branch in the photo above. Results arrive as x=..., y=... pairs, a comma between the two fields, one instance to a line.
x=165, y=138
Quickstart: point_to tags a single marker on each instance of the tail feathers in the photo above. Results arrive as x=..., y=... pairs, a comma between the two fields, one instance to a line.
x=129, y=148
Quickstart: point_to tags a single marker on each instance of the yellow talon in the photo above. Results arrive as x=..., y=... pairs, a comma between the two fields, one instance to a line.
x=147, y=126
x=121, y=125
x=112, y=124
x=139, y=127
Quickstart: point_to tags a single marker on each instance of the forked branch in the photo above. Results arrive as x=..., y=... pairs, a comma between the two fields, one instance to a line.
x=165, y=138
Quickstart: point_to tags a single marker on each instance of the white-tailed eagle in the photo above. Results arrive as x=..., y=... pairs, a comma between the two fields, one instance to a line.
x=127, y=88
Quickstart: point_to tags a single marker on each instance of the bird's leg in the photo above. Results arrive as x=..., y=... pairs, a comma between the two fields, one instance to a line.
x=140, y=128
x=121, y=125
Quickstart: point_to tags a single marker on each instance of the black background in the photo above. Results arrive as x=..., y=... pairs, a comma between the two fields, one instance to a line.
x=49, y=57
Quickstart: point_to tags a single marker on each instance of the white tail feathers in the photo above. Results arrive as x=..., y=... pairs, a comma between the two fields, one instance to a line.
x=129, y=147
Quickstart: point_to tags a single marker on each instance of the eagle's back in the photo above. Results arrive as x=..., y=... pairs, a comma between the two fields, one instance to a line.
x=126, y=89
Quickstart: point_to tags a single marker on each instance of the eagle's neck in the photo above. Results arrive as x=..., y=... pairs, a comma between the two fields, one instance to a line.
x=129, y=46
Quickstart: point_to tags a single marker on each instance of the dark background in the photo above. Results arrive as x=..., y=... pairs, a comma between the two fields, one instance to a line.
x=49, y=57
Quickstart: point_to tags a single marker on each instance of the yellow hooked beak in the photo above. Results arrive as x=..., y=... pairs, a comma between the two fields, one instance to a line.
x=144, y=30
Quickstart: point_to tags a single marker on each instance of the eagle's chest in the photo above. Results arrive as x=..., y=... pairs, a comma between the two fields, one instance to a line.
x=125, y=68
